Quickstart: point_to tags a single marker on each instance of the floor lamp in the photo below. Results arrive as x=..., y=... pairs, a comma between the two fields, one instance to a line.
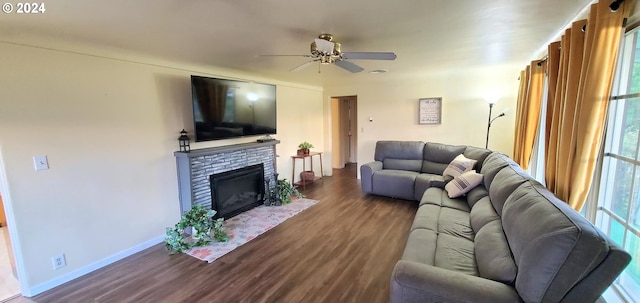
x=486, y=145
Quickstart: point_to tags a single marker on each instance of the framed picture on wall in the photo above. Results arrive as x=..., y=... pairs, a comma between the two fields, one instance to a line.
x=430, y=111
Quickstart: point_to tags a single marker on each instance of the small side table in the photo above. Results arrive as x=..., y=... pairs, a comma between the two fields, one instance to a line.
x=304, y=167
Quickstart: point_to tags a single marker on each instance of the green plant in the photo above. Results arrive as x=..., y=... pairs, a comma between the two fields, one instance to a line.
x=305, y=145
x=201, y=223
x=285, y=191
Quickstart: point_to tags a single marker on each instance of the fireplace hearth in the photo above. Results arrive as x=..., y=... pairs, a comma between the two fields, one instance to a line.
x=238, y=190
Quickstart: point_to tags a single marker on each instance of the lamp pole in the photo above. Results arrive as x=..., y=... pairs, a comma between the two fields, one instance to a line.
x=486, y=145
x=502, y=114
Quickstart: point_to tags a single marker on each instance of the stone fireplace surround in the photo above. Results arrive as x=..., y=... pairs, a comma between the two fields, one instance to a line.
x=195, y=167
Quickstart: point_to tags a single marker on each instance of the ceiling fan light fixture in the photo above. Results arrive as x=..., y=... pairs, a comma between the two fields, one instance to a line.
x=314, y=50
x=326, y=60
x=324, y=46
x=336, y=49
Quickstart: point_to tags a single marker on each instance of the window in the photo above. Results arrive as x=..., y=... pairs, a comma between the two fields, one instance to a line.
x=618, y=209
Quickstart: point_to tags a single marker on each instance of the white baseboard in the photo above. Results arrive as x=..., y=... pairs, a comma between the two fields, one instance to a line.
x=37, y=289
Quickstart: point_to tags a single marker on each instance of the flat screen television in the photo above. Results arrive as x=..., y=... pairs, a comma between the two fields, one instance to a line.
x=224, y=109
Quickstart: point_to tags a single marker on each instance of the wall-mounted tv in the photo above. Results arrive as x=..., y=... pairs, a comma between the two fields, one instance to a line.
x=224, y=108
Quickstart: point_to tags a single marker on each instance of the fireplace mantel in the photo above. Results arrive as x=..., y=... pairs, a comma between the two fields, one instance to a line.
x=195, y=167
x=224, y=149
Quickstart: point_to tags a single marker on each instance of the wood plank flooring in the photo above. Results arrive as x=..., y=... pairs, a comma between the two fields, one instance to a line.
x=343, y=249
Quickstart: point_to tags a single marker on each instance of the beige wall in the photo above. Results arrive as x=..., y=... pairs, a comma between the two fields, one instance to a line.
x=109, y=130
x=301, y=119
x=393, y=103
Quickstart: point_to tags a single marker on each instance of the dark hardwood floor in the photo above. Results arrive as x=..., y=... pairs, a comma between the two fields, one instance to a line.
x=343, y=249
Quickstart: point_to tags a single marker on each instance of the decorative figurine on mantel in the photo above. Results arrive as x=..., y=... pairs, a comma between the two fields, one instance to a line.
x=184, y=141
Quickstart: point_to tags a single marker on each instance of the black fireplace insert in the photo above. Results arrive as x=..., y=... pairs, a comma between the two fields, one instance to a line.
x=236, y=191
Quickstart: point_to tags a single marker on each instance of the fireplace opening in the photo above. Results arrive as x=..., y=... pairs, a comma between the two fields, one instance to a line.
x=236, y=191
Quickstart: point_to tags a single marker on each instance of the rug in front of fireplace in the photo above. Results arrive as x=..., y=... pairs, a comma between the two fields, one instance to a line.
x=248, y=225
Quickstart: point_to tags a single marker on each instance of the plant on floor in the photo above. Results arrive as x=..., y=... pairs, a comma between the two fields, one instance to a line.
x=284, y=192
x=202, y=225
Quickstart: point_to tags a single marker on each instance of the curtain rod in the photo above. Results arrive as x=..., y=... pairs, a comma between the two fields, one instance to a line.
x=615, y=5
x=542, y=60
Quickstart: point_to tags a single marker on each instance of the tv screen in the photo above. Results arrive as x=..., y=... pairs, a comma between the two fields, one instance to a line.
x=224, y=109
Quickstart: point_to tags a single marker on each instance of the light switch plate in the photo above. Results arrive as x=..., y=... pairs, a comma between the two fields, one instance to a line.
x=40, y=162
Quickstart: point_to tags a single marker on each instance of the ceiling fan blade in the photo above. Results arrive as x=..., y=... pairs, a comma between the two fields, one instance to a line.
x=352, y=67
x=369, y=55
x=308, y=56
x=324, y=46
x=303, y=65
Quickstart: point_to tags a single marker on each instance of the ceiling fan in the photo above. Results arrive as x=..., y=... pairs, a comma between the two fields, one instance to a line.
x=325, y=51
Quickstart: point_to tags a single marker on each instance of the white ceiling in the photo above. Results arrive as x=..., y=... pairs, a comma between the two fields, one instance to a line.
x=427, y=35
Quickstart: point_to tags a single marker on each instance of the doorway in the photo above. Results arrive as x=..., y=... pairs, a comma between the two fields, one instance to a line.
x=344, y=113
x=9, y=285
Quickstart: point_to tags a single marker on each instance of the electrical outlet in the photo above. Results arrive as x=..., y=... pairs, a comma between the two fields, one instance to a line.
x=59, y=261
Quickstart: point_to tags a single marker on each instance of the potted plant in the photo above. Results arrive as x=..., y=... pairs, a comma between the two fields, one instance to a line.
x=202, y=225
x=303, y=148
x=284, y=191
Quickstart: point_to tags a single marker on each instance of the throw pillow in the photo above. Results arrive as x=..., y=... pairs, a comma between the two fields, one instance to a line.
x=458, y=166
x=462, y=184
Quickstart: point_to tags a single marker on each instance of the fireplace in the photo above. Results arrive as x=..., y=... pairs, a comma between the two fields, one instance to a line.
x=195, y=167
x=238, y=190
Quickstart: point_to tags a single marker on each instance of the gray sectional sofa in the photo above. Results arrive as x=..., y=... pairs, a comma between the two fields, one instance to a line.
x=507, y=240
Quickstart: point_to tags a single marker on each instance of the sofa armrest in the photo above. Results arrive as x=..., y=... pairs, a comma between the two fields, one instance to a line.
x=366, y=173
x=441, y=182
x=417, y=282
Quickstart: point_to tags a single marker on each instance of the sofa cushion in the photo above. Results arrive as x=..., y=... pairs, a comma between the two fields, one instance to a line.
x=406, y=150
x=460, y=164
x=439, y=197
x=476, y=193
x=394, y=183
x=441, y=250
x=427, y=217
x=553, y=246
x=455, y=223
x=492, y=165
x=402, y=164
x=455, y=253
x=504, y=183
x=462, y=184
x=478, y=154
x=443, y=220
x=421, y=246
x=493, y=255
x=437, y=156
x=482, y=213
